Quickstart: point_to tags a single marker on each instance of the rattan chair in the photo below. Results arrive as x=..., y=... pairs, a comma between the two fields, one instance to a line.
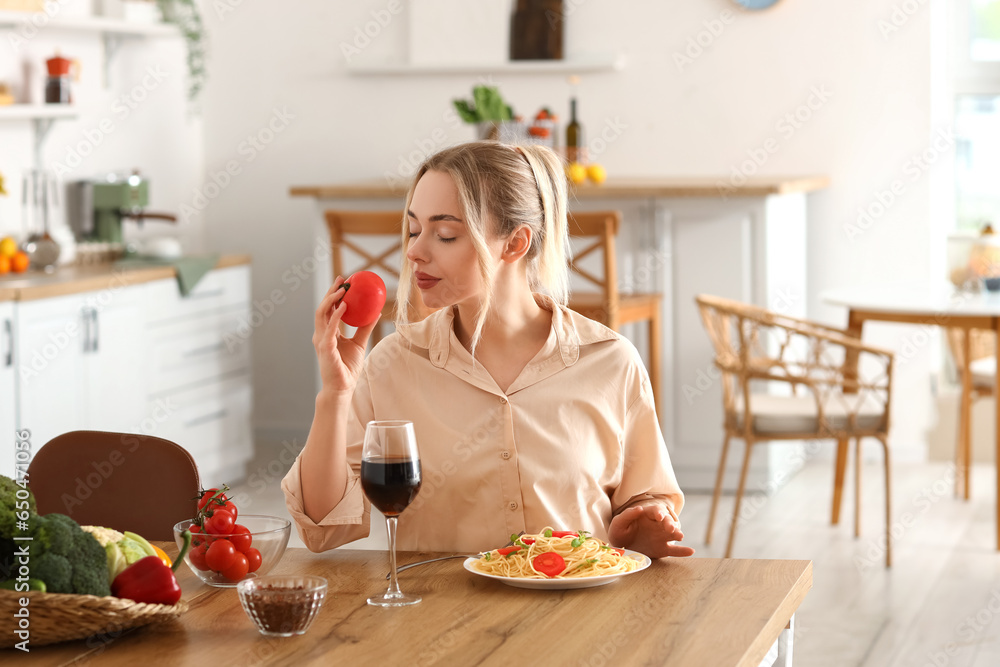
x=607, y=305
x=124, y=481
x=345, y=228
x=790, y=379
x=979, y=347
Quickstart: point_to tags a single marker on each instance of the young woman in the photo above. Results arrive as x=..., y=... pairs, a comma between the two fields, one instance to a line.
x=526, y=413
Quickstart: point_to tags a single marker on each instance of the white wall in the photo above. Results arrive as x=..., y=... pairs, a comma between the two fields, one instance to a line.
x=144, y=105
x=699, y=119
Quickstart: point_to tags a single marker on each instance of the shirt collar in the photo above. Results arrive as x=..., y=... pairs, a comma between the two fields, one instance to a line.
x=572, y=331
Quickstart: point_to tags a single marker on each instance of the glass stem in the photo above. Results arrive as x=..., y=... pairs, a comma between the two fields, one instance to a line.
x=390, y=524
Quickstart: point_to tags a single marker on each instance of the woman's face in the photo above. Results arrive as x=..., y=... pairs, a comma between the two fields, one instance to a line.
x=445, y=261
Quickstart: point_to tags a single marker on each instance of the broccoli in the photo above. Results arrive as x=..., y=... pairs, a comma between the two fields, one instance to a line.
x=62, y=555
x=66, y=558
x=8, y=506
x=55, y=570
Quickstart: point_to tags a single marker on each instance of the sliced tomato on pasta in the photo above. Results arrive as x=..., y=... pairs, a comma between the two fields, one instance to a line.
x=549, y=563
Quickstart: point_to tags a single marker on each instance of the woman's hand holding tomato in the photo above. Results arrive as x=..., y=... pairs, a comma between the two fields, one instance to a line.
x=340, y=358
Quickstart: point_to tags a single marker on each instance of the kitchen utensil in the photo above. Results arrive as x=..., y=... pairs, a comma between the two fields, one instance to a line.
x=40, y=199
x=434, y=560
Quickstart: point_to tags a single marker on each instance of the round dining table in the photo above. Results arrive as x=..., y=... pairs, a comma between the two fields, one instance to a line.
x=939, y=305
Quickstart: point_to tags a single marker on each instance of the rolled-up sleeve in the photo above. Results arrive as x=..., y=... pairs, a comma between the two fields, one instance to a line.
x=647, y=474
x=349, y=520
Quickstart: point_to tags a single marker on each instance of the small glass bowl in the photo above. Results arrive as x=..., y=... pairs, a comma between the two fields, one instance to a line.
x=269, y=536
x=282, y=605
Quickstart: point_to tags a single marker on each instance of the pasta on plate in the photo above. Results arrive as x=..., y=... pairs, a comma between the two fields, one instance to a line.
x=553, y=554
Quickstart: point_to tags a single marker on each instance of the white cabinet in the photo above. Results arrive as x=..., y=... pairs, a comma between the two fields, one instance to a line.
x=138, y=359
x=81, y=363
x=8, y=375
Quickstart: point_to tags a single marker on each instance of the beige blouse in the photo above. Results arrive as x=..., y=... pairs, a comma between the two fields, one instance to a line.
x=573, y=441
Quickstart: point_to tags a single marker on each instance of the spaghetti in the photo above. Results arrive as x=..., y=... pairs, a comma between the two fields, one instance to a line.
x=555, y=555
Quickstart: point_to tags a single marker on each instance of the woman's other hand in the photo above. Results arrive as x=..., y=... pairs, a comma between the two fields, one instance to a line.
x=340, y=358
x=648, y=529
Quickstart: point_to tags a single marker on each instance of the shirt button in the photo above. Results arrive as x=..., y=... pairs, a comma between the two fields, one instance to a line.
x=512, y=506
x=503, y=401
x=505, y=454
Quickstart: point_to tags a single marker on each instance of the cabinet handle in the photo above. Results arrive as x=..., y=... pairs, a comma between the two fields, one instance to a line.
x=85, y=315
x=204, y=419
x=206, y=294
x=97, y=330
x=8, y=330
x=90, y=332
x=205, y=349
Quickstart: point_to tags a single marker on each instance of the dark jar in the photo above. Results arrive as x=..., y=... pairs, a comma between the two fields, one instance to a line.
x=57, y=90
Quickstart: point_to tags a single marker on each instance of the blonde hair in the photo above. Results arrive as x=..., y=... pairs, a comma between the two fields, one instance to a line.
x=501, y=188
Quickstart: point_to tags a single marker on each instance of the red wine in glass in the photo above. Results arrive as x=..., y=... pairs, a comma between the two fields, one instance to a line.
x=390, y=478
x=390, y=483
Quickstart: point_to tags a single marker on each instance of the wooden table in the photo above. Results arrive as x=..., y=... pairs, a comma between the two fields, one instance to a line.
x=691, y=612
x=940, y=306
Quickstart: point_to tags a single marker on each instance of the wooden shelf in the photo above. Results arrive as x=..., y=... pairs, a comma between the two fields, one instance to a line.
x=579, y=65
x=37, y=111
x=99, y=24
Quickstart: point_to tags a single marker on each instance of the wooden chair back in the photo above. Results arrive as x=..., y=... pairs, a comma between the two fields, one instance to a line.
x=345, y=226
x=600, y=229
x=123, y=481
x=982, y=344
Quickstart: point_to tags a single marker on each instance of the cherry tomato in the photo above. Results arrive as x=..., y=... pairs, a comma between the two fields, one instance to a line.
x=253, y=559
x=365, y=298
x=220, y=555
x=220, y=523
x=230, y=507
x=240, y=537
x=564, y=533
x=549, y=563
x=197, y=557
x=207, y=495
x=238, y=568
x=528, y=540
x=506, y=551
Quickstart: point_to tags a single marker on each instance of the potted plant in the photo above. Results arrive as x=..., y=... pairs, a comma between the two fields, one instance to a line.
x=487, y=110
x=185, y=15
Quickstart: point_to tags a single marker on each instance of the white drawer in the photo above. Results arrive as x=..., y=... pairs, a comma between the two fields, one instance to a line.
x=211, y=422
x=219, y=289
x=184, y=353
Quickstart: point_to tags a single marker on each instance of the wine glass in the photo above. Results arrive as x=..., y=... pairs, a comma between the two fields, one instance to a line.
x=390, y=477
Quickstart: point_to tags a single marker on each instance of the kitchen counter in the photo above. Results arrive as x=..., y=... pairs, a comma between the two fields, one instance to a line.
x=75, y=279
x=613, y=187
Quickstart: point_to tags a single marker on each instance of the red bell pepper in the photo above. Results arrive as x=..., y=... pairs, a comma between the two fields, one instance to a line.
x=151, y=580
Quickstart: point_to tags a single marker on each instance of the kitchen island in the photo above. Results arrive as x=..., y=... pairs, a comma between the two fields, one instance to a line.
x=680, y=237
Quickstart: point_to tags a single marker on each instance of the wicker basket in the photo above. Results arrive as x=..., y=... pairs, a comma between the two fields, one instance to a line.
x=55, y=617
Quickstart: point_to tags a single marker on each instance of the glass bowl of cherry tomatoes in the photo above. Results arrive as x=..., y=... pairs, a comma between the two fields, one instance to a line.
x=228, y=547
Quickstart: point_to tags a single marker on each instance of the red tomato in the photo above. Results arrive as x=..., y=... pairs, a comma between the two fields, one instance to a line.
x=564, y=533
x=197, y=557
x=549, y=563
x=237, y=569
x=220, y=555
x=207, y=495
x=230, y=507
x=220, y=523
x=506, y=551
x=365, y=298
x=253, y=559
x=240, y=538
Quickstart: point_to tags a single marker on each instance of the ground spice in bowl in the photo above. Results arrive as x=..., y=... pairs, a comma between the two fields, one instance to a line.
x=282, y=606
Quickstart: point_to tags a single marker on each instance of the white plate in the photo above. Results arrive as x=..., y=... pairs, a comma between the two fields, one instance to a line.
x=562, y=584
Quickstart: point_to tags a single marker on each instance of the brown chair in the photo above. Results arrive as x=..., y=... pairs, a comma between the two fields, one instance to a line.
x=345, y=224
x=607, y=305
x=123, y=481
x=819, y=395
x=978, y=376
